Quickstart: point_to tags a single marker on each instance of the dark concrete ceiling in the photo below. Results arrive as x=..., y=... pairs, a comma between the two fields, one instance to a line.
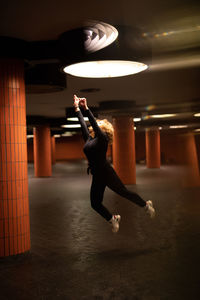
x=172, y=27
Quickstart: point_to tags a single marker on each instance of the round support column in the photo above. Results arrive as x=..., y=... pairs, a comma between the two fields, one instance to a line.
x=153, y=148
x=14, y=203
x=124, y=149
x=42, y=151
x=189, y=160
x=53, y=150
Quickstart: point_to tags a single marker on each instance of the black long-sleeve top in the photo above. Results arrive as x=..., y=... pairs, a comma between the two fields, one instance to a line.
x=95, y=148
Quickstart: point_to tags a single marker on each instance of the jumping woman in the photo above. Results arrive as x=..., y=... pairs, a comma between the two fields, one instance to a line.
x=97, y=137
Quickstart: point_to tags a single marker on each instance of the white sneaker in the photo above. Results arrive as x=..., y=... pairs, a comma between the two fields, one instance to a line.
x=115, y=222
x=149, y=209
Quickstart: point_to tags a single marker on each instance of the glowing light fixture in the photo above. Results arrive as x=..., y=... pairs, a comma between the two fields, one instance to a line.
x=131, y=53
x=71, y=126
x=178, y=126
x=197, y=115
x=105, y=68
x=136, y=119
x=68, y=133
x=197, y=130
x=162, y=116
x=57, y=135
x=75, y=119
x=99, y=35
x=30, y=136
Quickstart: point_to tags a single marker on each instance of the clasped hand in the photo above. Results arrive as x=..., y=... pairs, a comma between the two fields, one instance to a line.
x=80, y=102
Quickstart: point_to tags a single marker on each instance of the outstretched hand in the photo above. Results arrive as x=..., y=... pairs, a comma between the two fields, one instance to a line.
x=83, y=103
x=80, y=101
x=76, y=101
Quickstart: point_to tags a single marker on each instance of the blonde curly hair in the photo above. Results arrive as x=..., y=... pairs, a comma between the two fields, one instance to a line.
x=106, y=127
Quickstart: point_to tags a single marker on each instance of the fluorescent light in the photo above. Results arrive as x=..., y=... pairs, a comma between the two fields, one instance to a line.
x=162, y=116
x=67, y=134
x=57, y=135
x=71, y=126
x=76, y=119
x=197, y=130
x=105, y=68
x=136, y=119
x=29, y=136
x=134, y=128
x=197, y=115
x=178, y=126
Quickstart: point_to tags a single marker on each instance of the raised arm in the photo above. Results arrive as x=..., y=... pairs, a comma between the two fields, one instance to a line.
x=93, y=122
x=84, y=128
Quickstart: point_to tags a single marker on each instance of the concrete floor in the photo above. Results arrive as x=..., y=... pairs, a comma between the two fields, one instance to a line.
x=74, y=254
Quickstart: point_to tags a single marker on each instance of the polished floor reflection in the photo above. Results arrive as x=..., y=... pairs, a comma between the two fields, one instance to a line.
x=75, y=255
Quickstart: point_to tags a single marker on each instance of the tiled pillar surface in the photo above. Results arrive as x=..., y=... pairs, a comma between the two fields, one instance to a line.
x=42, y=151
x=14, y=203
x=188, y=157
x=153, y=148
x=197, y=143
x=124, y=149
x=53, y=150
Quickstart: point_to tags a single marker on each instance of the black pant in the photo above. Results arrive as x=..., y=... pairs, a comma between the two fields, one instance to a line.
x=108, y=177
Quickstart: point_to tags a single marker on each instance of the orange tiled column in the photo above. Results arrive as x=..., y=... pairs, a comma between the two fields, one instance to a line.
x=14, y=203
x=53, y=150
x=188, y=158
x=124, y=149
x=197, y=143
x=153, y=148
x=42, y=151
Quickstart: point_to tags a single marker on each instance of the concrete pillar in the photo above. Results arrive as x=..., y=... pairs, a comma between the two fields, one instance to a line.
x=153, y=148
x=53, y=150
x=42, y=151
x=124, y=149
x=14, y=203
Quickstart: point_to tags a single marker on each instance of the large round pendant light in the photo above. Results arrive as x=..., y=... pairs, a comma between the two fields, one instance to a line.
x=106, y=51
x=105, y=68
